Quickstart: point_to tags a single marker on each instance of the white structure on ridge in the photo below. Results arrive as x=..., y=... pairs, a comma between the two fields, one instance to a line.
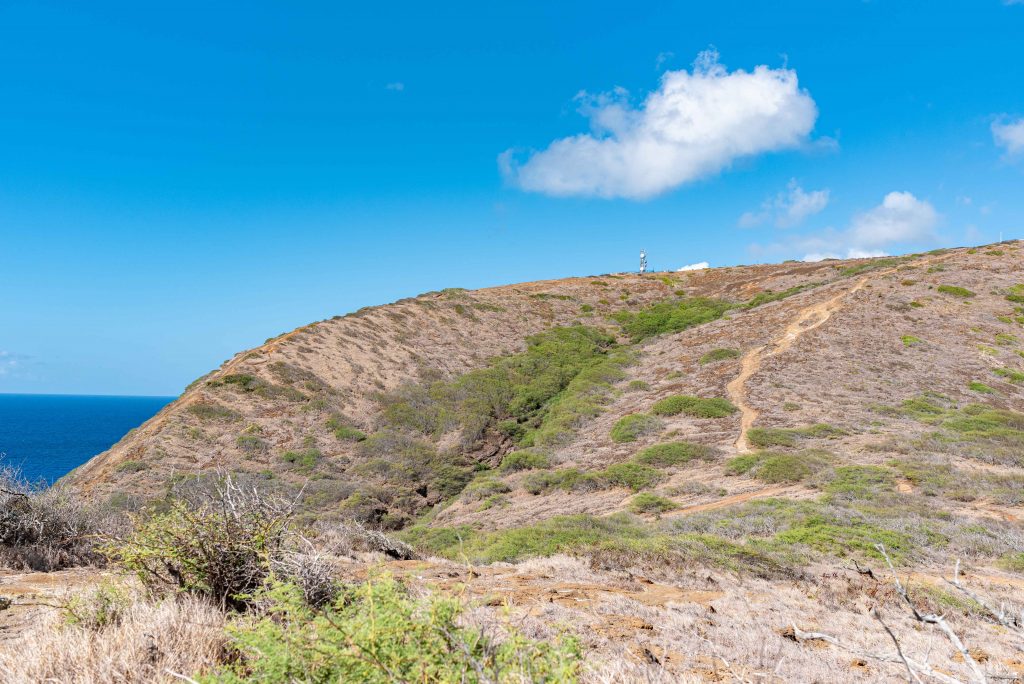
x=643, y=261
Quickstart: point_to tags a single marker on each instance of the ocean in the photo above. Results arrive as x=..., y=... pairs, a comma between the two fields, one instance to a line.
x=46, y=436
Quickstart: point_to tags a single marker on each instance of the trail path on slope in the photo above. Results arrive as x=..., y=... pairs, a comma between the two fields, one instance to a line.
x=809, y=318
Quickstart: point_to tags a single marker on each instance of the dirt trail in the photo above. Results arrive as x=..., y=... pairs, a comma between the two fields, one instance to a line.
x=809, y=318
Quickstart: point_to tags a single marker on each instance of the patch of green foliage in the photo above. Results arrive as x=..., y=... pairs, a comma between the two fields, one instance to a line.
x=483, y=488
x=132, y=466
x=955, y=290
x=766, y=438
x=981, y=387
x=769, y=296
x=694, y=406
x=775, y=467
x=212, y=411
x=861, y=481
x=910, y=340
x=873, y=265
x=673, y=454
x=303, y=459
x=1016, y=294
x=250, y=384
x=635, y=476
x=343, y=431
x=719, y=355
x=1006, y=339
x=633, y=426
x=1013, y=562
x=1011, y=374
x=670, y=316
x=537, y=396
x=251, y=444
x=525, y=459
x=651, y=504
x=992, y=430
x=377, y=632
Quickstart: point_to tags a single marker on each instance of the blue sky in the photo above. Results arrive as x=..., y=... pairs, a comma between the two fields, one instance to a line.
x=180, y=181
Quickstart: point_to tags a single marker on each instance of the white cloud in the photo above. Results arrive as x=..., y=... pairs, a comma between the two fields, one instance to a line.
x=695, y=267
x=662, y=58
x=8, y=362
x=397, y=86
x=696, y=124
x=788, y=208
x=1009, y=134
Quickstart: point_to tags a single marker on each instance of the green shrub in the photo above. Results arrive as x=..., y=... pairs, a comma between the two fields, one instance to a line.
x=304, y=459
x=586, y=308
x=630, y=428
x=343, y=431
x=955, y=291
x=1013, y=562
x=670, y=316
x=220, y=549
x=693, y=406
x=524, y=460
x=651, y=503
x=740, y=465
x=638, y=386
x=1014, y=376
x=131, y=466
x=483, y=488
x=251, y=444
x=861, y=482
x=872, y=265
x=976, y=386
x=719, y=355
x=103, y=606
x=376, y=632
x=770, y=437
x=673, y=454
x=212, y=411
x=635, y=476
x=1006, y=339
x=910, y=340
x=770, y=296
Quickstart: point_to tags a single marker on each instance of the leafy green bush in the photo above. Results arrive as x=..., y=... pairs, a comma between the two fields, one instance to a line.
x=630, y=428
x=132, y=466
x=251, y=444
x=219, y=548
x=484, y=487
x=524, y=460
x=670, y=316
x=741, y=465
x=769, y=296
x=1016, y=294
x=955, y=290
x=774, y=468
x=376, y=632
x=861, y=482
x=673, y=454
x=651, y=503
x=719, y=355
x=343, y=431
x=770, y=437
x=635, y=476
x=981, y=387
x=694, y=406
x=303, y=459
x=910, y=340
x=212, y=411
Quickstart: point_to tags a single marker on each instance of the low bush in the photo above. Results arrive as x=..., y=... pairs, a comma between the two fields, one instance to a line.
x=1013, y=375
x=212, y=411
x=673, y=454
x=719, y=355
x=981, y=387
x=343, y=431
x=219, y=548
x=132, y=466
x=651, y=503
x=377, y=632
x=694, y=406
x=251, y=444
x=776, y=468
x=670, y=316
x=955, y=290
x=525, y=459
x=46, y=528
x=632, y=427
x=484, y=487
x=635, y=476
x=770, y=296
x=910, y=340
x=303, y=459
x=861, y=482
x=766, y=438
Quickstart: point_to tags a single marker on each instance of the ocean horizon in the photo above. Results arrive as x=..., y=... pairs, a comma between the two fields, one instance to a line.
x=46, y=436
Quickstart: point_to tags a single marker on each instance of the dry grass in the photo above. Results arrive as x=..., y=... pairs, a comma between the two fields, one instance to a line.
x=146, y=644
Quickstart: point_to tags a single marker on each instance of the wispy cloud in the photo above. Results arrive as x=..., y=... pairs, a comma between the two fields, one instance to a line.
x=695, y=267
x=900, y=218
x=396, y=86
x=696, y=124
x=9, y=362
x=788, y=208
x=1009, y=134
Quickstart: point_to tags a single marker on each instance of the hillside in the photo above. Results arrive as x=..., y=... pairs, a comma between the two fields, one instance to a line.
x=726, y=447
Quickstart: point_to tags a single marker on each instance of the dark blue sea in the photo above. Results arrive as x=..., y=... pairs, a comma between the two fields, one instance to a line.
x=48, y=435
